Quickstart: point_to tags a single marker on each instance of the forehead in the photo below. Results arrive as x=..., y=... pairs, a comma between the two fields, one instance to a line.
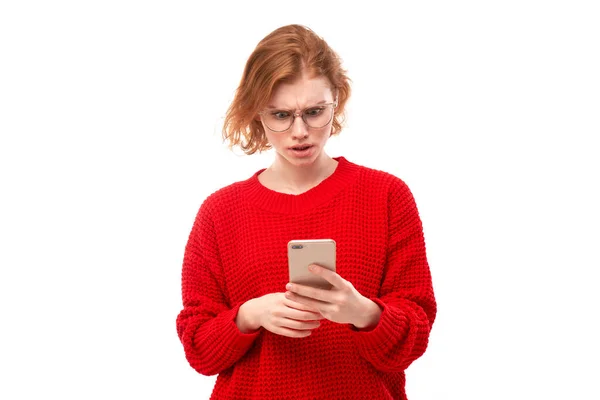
x=302, y=92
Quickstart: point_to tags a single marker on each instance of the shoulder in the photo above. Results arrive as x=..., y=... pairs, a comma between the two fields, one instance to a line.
x=224, y=197
x=213, y=209
x=381, y=181
x=395, y=193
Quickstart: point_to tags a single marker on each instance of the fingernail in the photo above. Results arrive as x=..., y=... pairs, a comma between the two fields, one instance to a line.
x=288, y=286
x=311, y=267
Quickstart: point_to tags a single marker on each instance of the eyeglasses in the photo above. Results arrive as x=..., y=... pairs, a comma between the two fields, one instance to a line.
x=314, y=117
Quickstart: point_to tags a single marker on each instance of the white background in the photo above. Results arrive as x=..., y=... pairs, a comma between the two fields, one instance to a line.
x=110, y=119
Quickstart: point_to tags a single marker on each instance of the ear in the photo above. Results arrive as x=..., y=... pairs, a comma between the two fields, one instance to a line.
x=335, y=93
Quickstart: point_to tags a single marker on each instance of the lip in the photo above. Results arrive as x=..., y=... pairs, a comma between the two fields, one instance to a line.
x=302, y=153
x=301, y=145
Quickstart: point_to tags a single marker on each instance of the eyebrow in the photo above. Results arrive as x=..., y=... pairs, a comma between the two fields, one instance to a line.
x=285, y=108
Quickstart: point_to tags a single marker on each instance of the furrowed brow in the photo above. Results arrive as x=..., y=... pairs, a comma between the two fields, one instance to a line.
x=270, y=106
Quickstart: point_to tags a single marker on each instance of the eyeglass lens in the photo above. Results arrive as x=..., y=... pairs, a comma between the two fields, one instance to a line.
x=314, y=117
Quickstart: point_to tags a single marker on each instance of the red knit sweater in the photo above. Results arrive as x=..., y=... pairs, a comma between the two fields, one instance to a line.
x=237, y=250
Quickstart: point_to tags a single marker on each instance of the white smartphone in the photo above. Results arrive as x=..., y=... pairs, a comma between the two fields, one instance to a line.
x=302, y=253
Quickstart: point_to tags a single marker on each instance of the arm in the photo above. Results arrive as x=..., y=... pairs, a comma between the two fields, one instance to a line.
x=207, y=324
x=406, y=301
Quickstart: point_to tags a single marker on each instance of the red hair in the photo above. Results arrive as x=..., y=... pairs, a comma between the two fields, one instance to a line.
x=281, y=57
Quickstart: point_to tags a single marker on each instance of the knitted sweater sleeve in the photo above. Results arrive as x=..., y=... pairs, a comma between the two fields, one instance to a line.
x=206, y=326
x=406, y=296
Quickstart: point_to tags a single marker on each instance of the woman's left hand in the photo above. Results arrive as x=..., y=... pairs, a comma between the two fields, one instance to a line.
x=342, y=303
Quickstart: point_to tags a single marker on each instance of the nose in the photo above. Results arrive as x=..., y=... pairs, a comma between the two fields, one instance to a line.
x=299, y=128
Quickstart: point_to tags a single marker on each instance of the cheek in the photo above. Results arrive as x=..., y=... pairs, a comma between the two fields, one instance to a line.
x=270, y=137
x=274, y=140
x=325, y=133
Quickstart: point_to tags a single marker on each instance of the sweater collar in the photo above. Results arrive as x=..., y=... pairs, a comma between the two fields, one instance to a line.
x=270, y=200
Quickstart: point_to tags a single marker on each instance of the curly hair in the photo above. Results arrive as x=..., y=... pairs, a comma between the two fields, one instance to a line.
x=281, y=57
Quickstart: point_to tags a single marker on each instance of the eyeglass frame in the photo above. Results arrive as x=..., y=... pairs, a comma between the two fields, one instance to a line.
x=301, y=115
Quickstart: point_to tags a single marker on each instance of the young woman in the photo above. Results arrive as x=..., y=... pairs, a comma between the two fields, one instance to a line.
x=241, y=318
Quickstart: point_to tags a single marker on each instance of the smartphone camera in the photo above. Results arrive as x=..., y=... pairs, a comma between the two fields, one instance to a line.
x=297, y=246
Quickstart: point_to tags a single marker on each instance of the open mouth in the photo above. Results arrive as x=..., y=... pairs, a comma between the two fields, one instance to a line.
x=302, y=147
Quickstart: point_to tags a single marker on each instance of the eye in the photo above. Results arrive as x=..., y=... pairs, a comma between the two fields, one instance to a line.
x=314, y=111
x=280, y=114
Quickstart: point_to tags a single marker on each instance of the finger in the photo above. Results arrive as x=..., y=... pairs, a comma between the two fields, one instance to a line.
x=307, y=301
x=311, y=292
x=299, y=306
x=291, y=332
x=304, y=315
x=332, y=277
x=298, y=325
x=297, y=313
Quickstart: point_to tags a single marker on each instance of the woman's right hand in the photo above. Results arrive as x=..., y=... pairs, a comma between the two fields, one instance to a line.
x=278, y=315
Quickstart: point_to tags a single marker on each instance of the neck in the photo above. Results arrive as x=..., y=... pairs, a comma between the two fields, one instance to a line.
x=298, y=179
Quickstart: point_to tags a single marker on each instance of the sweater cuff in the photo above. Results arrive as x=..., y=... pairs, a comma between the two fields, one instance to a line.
x=392, y=324
x=235, y=336
x=234, y=343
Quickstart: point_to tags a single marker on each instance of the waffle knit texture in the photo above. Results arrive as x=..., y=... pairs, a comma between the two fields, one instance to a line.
x=237, y=250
